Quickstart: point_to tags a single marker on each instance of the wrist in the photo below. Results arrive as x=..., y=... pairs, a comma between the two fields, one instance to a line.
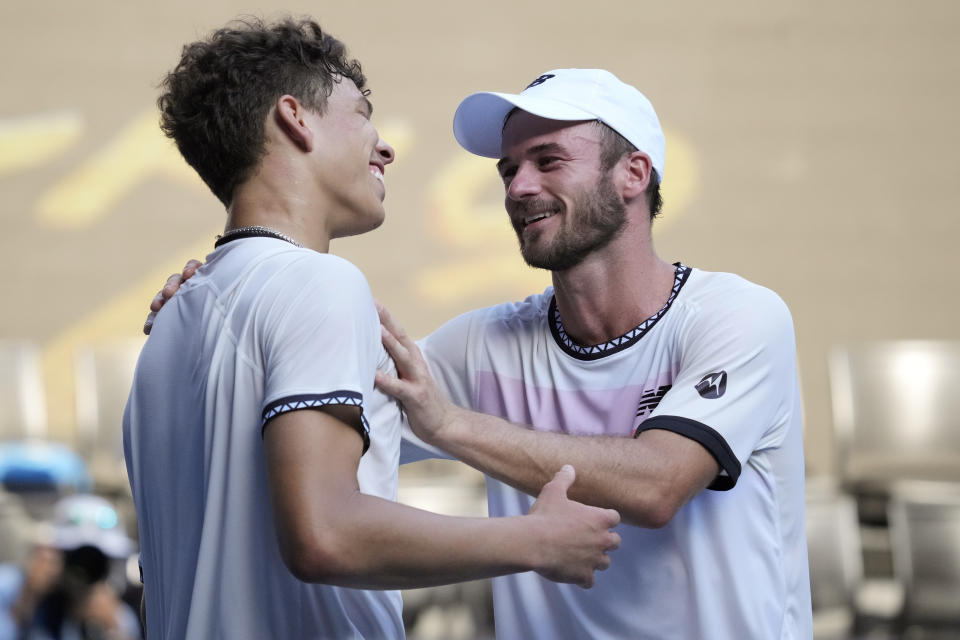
x=525, y=540
x=449, y=426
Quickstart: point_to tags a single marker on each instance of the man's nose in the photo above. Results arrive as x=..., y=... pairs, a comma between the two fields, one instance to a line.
x=524, y=183
x=386, y=152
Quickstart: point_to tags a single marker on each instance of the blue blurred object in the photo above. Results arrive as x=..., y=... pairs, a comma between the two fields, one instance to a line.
x=39, y=465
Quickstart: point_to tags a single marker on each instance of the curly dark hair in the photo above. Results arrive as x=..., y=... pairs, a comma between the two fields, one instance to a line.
x=215, y=102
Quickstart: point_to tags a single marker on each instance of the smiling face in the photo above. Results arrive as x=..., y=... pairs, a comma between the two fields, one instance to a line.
x=563, y=206
x=351, y=160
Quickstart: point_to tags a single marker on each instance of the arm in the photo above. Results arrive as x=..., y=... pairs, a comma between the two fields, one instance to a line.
x=330, y=532
x=647, y=479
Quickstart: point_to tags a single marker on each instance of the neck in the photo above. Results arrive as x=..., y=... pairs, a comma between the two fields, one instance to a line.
x=613, y=290
x=278, y=205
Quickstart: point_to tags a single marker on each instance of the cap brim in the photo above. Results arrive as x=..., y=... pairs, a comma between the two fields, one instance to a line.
x=111, y=543
x=479, y=120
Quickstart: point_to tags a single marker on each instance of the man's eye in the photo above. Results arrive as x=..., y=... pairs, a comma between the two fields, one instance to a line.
x=547, y=160
x=506, y=174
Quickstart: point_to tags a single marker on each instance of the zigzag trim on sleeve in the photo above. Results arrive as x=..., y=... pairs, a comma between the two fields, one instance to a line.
x=314, y=401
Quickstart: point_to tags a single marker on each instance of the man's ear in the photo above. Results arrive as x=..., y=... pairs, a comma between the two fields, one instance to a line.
x=639, y=171
x=292, y=119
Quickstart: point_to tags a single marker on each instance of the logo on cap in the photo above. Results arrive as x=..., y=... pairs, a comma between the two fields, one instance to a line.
x=713, y=385
x=541, y=80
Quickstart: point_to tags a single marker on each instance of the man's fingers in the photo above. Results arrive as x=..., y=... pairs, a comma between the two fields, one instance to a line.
x=393, y=346
x=170, y=288
x=148, y=323
x=190, y=268
x=157, y=302
x=612, y=519
x=604, y=563
x=388, y=321
x=385, y=318
x=386, y=383
x=614, y=539
x=391, y=386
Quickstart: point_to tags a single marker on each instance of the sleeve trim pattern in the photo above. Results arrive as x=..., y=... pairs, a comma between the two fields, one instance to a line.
x=709, y=438
x=314, y=401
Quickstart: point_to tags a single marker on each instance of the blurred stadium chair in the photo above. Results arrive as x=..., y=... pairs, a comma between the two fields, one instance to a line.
x=924, y=522
x=457, y=611
x=22, y=404
x=103, y=374
x=896, y=411
x=836, y=566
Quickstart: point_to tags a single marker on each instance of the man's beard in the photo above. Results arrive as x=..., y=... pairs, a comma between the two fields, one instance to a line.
x=599, y=215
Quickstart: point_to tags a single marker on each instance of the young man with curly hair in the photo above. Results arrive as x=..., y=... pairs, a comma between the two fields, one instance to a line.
x=264, y=496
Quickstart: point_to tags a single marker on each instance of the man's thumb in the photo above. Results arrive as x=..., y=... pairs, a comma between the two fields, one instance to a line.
x=564, y=478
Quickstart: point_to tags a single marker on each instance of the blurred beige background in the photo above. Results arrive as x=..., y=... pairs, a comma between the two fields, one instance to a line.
x=811, y=147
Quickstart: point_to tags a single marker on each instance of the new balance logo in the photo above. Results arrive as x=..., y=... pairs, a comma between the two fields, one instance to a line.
x=713, y=385
x=649, y=401
x=540, y=80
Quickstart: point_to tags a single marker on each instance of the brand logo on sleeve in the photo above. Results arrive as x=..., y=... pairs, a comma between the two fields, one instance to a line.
x=713, y=385
x=541, y=80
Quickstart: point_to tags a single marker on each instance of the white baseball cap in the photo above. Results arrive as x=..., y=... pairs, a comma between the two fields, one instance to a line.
x=563, y=94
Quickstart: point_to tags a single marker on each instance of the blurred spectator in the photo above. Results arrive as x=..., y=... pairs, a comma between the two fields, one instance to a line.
x=16, y=527
x=83, y=602
x=22, y=588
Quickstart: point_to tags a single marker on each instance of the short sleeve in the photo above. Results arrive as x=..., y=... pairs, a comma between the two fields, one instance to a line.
x=736, y=383
x=320, y=338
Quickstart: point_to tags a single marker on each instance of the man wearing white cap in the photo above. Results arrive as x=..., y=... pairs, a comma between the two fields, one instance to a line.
x=673, y=391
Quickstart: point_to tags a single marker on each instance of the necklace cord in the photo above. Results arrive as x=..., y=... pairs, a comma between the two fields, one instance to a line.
x=255, y=231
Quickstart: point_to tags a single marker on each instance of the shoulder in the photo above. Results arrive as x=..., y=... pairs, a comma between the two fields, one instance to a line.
x=726, y=308
x=324, y=266
x=488, y=326
x=303, y=286
x=728, y=293
x=267, y=264
x=531, y=311
x=308, y=271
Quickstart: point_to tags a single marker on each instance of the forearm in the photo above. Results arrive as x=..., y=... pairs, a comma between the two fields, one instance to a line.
x=380, y=544
x=329, y=532
x=637, y=477
x=646, y=479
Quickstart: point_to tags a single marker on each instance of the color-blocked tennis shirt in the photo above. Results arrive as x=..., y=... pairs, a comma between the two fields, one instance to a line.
x=263, y=328
x=715, y=364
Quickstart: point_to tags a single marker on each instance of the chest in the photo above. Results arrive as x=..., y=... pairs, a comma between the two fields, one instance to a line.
x=529, y=379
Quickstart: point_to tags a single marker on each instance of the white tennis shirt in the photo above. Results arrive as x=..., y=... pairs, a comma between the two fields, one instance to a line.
x=716, y=364
x=262, y=328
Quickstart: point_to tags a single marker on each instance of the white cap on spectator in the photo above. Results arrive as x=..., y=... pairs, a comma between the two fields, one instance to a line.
x=87, y=519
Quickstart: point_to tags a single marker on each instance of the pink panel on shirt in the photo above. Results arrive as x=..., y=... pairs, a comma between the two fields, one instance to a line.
x=577, y=411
